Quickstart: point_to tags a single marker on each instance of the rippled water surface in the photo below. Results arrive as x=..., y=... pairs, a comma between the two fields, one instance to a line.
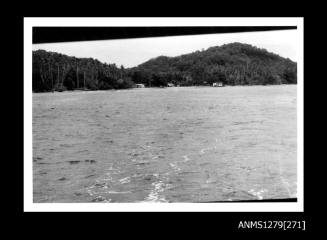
x=165, y=145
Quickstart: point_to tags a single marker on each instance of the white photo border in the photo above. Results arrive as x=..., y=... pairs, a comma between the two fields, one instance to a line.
x=29, y=206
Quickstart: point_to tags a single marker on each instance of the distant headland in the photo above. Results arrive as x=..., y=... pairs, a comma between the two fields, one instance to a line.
x=229, y=64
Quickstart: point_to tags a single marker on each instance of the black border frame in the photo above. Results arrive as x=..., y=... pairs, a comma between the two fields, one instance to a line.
x=223, y=221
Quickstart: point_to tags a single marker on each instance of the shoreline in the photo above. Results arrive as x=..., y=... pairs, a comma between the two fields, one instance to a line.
x=89, y=90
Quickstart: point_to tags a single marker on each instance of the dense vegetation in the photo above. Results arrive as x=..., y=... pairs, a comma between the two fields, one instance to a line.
x=54, y=71
x=233, y=64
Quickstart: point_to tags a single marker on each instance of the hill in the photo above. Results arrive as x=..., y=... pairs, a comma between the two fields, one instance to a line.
x=233, y=64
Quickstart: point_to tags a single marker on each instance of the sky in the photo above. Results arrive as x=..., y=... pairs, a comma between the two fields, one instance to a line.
x=132, y=52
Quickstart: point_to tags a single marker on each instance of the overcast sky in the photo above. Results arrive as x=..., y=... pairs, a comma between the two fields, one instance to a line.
x=131, y=52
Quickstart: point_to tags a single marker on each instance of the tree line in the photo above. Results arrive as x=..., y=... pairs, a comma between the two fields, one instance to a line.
x=232, y=64
x=58, y=72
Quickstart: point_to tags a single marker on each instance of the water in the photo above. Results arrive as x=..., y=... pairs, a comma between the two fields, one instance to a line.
x=165, y=145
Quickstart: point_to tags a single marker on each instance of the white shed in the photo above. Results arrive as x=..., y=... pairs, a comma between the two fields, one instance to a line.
x=139, y=85
x=218, y=84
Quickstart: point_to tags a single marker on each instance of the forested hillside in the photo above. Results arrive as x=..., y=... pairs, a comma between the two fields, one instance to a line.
x=233, y=64
x=54, y=71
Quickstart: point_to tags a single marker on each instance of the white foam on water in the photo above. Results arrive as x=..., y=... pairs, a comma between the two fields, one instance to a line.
x=210, y=180
x=294, y=194
x=202, y=150
x=186, y=158
x=145, y=147
x=154, y=195
x=285, y=183
x=90, y=192
x=156, y=175
x=174, y=166
x=103, y=199
x=140, y=161
x=109, y=178
x=116, y=192
x=112, y=169
x=258, y=194
x=125, y=180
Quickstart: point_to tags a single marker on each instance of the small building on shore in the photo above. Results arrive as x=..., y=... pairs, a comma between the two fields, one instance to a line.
x=218, y=84
x=139, y=85
x=170, y=85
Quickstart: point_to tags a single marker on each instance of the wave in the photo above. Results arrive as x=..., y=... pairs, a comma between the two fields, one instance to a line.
x=154, y=195
x=125, y=180
x=186, y=158
x=258, y=194
x=175, y=167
